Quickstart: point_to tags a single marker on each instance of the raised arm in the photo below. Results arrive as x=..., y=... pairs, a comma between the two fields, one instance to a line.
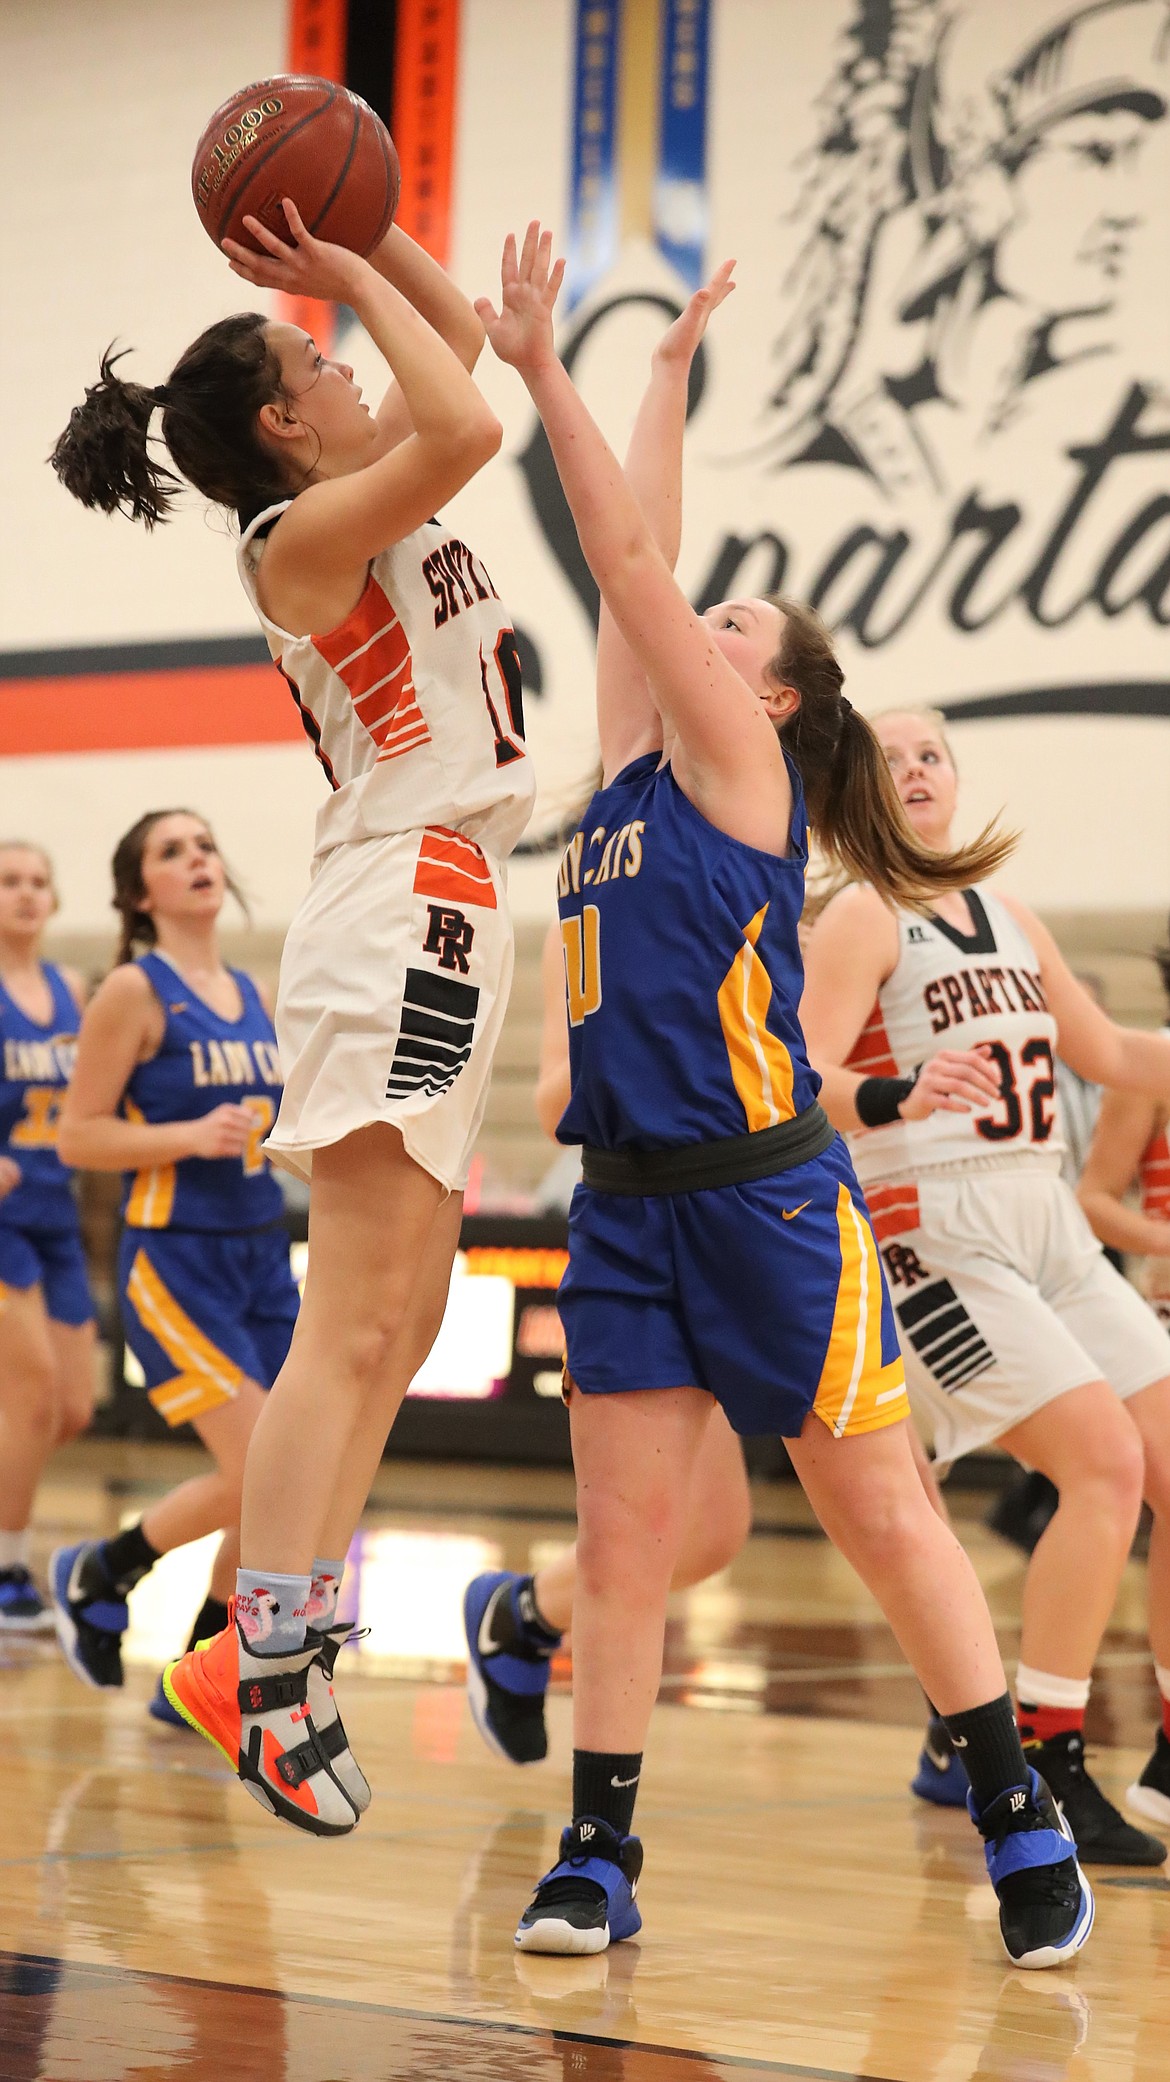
x=628, y=720
x=335, y=527
x=732, y=765
x=409, y=269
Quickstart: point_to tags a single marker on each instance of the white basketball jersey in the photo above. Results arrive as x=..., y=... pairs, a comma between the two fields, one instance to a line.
x=952, y=989
x=413, y=703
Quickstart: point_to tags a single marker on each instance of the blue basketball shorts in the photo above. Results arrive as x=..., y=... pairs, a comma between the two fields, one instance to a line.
x=53, y=1260
x=204, y=1311
x=770, y=1295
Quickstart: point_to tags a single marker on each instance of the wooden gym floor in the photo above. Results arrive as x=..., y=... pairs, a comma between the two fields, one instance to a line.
x=804, y=1916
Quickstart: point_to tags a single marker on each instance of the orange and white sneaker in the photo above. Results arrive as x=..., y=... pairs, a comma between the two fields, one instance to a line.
x=332, y=1739
x=255, y=1709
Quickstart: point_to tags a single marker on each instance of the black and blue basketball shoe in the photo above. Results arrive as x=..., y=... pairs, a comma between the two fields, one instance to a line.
x=509, y=1652
x=587, y=1900
x=89, y=1615
x=1045, y=1902
x=940, y=1776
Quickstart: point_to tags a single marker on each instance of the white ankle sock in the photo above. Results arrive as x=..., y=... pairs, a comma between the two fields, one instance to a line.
x=1041, y=1688
x=14, y=1550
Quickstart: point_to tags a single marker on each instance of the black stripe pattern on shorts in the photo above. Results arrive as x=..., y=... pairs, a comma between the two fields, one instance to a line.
x=434, y=1036
x=943, y=1335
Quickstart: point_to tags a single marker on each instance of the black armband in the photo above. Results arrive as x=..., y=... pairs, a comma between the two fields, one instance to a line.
x=877, y=1099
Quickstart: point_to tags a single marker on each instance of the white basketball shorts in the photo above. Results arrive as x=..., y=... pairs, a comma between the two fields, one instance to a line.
x=393, y=985
x=1004, y=1301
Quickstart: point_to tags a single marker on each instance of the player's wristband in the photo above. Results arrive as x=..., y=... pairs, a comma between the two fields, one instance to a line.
x=877, y=1099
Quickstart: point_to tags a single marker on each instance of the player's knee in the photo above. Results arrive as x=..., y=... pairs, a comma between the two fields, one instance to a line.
x=367, y=1344
x=624, y=1540
x=31, y=1408
x=713, y=1540
x=1109, y=1474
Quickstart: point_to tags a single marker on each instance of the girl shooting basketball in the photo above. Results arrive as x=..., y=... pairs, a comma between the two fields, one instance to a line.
x=718, y=1245
x=400, y=657
x=1016, y=1329
x=46, y=1311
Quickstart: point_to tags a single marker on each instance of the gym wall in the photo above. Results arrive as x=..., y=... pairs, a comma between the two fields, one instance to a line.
x=936, y=404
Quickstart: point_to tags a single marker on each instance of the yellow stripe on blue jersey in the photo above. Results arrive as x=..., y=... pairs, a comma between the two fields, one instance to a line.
x=858, y=1392
x=205, y=1378
x=761, y=1066
x=152, y=1196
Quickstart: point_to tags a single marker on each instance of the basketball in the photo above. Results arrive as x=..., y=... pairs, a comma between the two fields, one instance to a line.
x=306, y=138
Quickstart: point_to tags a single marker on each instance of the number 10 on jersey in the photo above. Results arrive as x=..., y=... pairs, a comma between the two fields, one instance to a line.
x=581, y=938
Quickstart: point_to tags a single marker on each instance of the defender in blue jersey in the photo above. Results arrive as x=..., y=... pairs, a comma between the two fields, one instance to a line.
x=719, y=1246
x=46, y=1310
x=177, y=1083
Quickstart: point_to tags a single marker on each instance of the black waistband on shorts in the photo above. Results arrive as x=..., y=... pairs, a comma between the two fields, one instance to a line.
x=696, y=1166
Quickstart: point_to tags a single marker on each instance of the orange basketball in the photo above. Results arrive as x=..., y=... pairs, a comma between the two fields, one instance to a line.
x=306, y=138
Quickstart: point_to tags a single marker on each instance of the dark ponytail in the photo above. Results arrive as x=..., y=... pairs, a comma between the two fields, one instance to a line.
x=137, y=926
x=853, y=806
x=209, y=403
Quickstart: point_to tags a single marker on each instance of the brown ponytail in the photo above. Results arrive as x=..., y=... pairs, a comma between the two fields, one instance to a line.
x=137, y=926
x=853, y=805
x=209, y=406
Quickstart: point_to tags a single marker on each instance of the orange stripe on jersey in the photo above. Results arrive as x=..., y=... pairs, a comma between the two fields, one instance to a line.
x=371, y=656
x=453, y=868
x=893, y=1210
x=1154, y=1177
x=871, y=1054
x=761, y=1067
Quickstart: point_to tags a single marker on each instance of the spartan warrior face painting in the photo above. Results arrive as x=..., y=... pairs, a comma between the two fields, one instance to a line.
x=977, y=216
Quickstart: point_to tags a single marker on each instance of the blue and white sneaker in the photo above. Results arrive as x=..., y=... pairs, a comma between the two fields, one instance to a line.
x=160, y=1709
x=586, y=1901
x=940, y=1777
x=22, y=1608
x=509, y=1654
x=1045, y=1902
x=89, y=1616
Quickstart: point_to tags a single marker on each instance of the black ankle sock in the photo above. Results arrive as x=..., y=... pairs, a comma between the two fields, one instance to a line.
x=211, y=1618
x=605, y=1785
x=532, y=1637
x=988, y=1741
x=125, y=1559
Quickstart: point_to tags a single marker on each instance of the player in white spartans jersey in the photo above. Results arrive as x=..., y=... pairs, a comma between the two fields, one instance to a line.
x=1015, y=1327
x=401, y=660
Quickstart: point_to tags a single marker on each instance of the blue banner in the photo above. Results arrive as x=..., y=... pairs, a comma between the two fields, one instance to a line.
x=593, y=202
x=680, y=187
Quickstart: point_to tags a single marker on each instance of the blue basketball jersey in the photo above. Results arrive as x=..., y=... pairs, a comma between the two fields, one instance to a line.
x=36, y=1068
x=684, y=971
x=205, y=1061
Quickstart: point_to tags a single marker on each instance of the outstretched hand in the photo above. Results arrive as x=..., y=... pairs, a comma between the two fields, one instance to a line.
x=300, y=265
x=680, y=340
x=521, y=333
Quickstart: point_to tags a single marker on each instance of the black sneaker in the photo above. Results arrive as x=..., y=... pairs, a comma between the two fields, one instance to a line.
x=1045, y=1902
x=1150, y=1796
x=1024, y=1509
x=1102, y=1834
x=506, y=1686
x=586, y=1901
x=89, y=1616
x=22, y=1608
